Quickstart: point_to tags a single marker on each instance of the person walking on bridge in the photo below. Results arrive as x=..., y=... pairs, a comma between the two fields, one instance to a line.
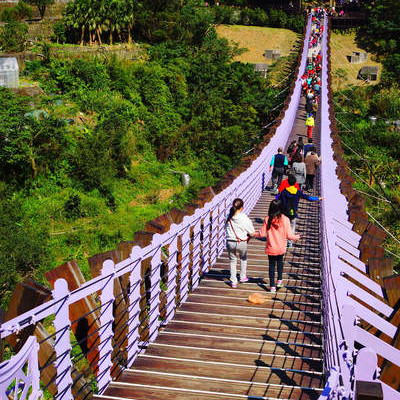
x=310, y=124
x=278, y=164
x=312, y=161
x=308, y=147
x=276, y=228
x=290, y=198
x=239, y=229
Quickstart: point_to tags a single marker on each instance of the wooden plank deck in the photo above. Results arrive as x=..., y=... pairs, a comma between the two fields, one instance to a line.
x=219, y=346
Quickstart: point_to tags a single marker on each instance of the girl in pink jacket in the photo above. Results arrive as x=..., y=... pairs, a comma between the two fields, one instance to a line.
x=277, y=229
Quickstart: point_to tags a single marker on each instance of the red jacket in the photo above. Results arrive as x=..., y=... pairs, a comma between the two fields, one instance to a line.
x=285, y=184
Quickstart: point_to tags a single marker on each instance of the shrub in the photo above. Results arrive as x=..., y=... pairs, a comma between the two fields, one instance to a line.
x=23, y=247
x=72, y=207
x=224, y=15
x=13, y=37
x=59, y=32
x=17, y=13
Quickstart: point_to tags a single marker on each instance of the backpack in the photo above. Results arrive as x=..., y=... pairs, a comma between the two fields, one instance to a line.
x=290, y=148
x=297, y=171
x=290, y=208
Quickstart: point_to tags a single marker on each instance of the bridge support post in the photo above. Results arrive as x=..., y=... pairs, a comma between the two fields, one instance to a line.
x=154, y=312
x=106, y=333
x=196, y=250
x=172, y=272
x=184, y=263
x=134, y=308
x=62, y=326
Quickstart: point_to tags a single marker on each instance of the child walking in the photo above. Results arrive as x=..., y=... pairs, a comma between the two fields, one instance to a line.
x=277, y=229
x=239, y=229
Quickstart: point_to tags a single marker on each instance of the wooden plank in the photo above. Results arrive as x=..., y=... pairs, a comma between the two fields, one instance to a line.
x=392, y=288
x=265, y=323
x=239, y=388
x=245, y=332
x=266, y=346
x=243, y=293
x=243, y=373
x=238, y=357
x=26, y=296
x=269, y=304
x=253, y=312
x=256, y=274
x=293, y=288
x=379, y=268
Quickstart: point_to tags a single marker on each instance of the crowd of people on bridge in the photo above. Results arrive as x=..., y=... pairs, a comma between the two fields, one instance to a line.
x=300, y=164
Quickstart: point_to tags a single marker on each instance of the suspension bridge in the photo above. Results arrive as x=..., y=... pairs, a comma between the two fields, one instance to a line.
x=160, y=321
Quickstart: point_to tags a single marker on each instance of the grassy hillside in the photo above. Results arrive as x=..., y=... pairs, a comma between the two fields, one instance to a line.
x=258, y=39
x=255, y=40
x=342, y=46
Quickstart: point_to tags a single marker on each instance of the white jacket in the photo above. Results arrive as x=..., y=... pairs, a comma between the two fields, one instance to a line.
x=239, y=226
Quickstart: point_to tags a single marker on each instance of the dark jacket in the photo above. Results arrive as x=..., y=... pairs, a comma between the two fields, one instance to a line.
x=279, y=161
x=296, y=194
x=309, y=107
x=307, y=148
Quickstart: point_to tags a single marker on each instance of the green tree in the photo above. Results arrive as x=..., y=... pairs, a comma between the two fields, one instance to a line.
x=23, y=244
x=381, y=33
x=13, y=36
x=28, y=144
x=391, y=71
x=17, y=13
x=41, y=5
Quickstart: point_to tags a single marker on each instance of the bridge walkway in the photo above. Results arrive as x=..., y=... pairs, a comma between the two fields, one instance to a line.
x=219, y=346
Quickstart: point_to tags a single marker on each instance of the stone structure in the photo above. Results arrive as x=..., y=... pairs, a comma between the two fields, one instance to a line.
x=272, y=54
x=369, y=73
x=357, y=57
x=262, y=69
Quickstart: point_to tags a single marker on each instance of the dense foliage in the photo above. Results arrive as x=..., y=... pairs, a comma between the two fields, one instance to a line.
x=373, y=150
x=13, y=36
x=157, y=21
x=381, y=34
x=274, y=18
x=17, y=13
x=93, y=160
x=41, y=5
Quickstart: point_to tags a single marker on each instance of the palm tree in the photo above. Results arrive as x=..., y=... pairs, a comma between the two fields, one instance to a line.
x=76, y=16
x=128, y=17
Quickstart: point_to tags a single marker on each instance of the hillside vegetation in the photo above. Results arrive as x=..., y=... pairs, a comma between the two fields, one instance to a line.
x=373, y=148
x=87, y=163
x=257, y=39
x=344, y=72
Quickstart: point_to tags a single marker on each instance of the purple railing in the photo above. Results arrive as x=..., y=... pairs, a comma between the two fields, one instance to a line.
x=199, y=239
x=340, y=261
x=19, y=376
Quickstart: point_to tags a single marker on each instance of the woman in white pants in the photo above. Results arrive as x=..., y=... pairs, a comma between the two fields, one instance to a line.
x=238, y=230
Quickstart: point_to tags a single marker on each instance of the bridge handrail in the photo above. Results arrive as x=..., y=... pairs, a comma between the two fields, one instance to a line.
x=13, y=371
x=340, y=257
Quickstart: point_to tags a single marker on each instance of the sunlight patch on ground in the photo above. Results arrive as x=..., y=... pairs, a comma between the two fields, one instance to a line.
x=258, y=39
x=341, y=47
